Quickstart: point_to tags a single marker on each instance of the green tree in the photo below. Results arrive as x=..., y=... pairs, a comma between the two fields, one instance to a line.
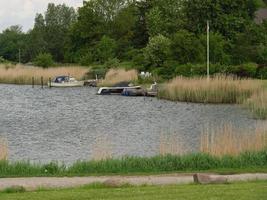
x=44, y=60
x=158, y=50
x=105, y=49
x=219, y=48
x=165, y=17
x=226, y=17
x=58, y=20
x=187, y=48
x=12, y=42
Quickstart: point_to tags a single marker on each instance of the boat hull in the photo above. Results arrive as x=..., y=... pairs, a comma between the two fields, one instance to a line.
x=67, y=84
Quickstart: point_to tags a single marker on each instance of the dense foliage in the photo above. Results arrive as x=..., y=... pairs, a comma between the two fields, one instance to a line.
x=163, y=36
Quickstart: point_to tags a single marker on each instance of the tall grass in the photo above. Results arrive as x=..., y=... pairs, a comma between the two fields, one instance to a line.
x=257, y=103
x=228, y=141
x=219, y=89
x=3, y=149
x=158, y=164
x=20, y=74
x=115, y=76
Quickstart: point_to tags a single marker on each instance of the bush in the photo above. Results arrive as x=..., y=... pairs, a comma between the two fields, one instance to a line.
x=112, y=63
x=2, y=60
x=187, y=48
x=105, y=49
x=262, y=73
x=44, y=60
x=244, y=70
x=157, y=51
x=86, y=59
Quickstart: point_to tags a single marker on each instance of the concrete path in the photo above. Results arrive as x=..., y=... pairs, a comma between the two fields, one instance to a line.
x=65, y=182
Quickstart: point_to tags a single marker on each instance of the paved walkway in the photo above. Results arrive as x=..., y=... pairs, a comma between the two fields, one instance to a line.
x=65, y=182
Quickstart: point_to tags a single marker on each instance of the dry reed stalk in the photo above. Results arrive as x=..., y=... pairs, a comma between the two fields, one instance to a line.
x=3, y=149
x=258, y=104
x=102, y=149
x=170, y=144
x=227, y=141
x=21, y=74
x=219, y=89
x=115, y=76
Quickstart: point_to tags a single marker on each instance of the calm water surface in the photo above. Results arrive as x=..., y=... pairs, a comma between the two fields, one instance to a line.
x=75, y=124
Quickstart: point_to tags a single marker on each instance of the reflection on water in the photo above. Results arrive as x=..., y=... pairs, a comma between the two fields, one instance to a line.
x=72, y=124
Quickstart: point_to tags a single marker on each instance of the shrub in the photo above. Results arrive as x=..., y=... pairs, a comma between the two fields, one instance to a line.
x=262, y=73
x=2, y=60
x=105, y=49
x=157, y=51
x=187, y=48
x=244, y=70
x=112, y=63
x=86, y=59
x=44, y=60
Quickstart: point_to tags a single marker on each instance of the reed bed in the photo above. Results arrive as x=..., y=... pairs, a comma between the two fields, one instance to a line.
x=3, y=149
x=218, y=89
x=228, y=141
x=21, y=74
x=172, y=145
x=257, y=103
x=115, y=76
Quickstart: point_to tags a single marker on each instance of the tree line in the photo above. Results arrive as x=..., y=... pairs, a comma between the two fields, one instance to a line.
x=165, y=36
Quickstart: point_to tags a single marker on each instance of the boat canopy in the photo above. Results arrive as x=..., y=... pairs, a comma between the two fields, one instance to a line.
x=60, y=79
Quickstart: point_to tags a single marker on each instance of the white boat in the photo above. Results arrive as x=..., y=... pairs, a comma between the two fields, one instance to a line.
x=115, y=90
x=65, y=81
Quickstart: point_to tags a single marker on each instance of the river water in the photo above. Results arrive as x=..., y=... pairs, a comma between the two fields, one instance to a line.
x=73, y=124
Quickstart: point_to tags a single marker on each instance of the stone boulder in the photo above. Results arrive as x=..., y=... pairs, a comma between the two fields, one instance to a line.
x=209, y=179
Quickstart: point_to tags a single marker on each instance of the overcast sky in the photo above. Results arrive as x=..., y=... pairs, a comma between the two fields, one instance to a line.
x=22, y=12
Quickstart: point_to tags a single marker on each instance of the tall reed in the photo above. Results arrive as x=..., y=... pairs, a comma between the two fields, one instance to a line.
x=228, y=141
x=257, y=103
x=21, y=74
x=219, y=89
x=115, y=76
x=3, y=149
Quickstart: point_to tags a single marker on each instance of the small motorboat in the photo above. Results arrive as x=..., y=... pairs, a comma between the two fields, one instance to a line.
x=116, y=90
x=65, y=81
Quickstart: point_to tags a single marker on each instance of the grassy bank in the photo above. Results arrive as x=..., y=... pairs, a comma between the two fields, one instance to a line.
x=224, y=149
x=20, y=74
x=250, y=161
x=244, y=191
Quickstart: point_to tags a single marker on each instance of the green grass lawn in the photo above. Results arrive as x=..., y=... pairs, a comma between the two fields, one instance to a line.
x=240, y=191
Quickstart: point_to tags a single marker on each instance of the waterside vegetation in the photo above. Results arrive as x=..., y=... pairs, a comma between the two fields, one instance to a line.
x=21, y=74
x=228, y=150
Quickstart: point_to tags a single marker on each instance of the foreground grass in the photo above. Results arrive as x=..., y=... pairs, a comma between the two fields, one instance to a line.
x=254, y=161
x=241, y=191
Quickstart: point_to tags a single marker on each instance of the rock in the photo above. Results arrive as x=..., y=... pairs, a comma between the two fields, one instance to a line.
x=208, y=179
x=114, y=183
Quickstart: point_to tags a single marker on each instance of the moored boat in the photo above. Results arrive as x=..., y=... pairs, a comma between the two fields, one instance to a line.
x=65, y=81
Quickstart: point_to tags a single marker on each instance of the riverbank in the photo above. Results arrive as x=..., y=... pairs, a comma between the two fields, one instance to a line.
x=244, y=191
x=200, y=162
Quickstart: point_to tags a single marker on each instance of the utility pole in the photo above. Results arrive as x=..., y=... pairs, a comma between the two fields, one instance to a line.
x=208, y=50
